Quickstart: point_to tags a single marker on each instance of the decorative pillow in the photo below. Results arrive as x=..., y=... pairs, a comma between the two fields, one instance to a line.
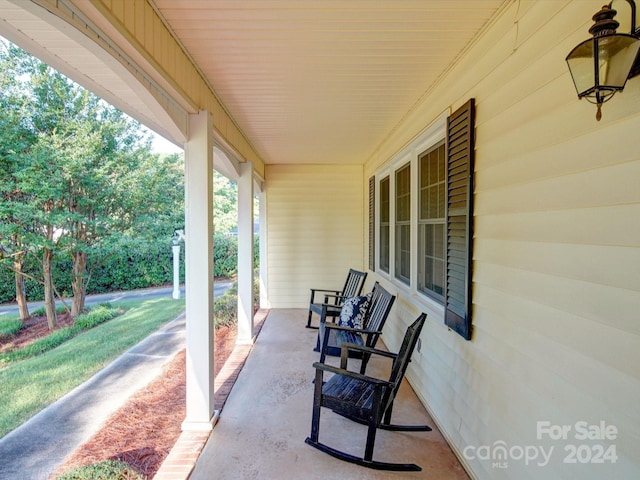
x=353, y=311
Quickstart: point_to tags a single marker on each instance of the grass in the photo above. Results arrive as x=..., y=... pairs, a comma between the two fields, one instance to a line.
x=109, y=469
x=9, y=326
x=92, y=318
x=27, y=386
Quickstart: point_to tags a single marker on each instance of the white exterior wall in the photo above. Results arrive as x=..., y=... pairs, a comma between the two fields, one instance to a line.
x=314, y=229
x=556, y=283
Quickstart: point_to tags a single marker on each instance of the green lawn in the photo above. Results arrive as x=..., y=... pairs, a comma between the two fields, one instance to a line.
x=9, y=325
x=27, y=386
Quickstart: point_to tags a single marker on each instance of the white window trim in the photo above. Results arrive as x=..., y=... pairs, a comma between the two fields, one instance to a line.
x=428, y=138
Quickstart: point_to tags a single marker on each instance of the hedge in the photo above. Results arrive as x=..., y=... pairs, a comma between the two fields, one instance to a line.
x=130, y=264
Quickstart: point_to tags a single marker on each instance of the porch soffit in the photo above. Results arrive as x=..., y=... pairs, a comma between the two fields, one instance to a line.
x=51, y=39
x=323, y=82
x=304, y=81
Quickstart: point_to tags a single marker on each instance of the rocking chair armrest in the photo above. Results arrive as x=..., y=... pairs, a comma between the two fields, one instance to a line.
x=344, y=352
x=326, y=305
x=319, y=366
x=335, y=326
x=336, y=296
x=331, y=291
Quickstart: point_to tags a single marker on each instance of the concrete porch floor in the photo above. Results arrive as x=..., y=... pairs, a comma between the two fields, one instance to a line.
x=261, y=430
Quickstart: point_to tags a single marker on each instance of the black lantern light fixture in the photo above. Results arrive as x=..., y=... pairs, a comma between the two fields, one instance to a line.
x=600, y=66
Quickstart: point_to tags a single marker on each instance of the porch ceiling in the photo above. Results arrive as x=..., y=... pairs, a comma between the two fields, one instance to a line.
x=323, y=82
x=306, y=81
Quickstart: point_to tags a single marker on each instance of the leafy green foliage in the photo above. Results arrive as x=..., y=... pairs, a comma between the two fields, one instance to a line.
x=106, y=470
x=40, y=311
x=74, y=173
x=225, y=256
x=225, y=307
x=96, y=316
x=225, y=204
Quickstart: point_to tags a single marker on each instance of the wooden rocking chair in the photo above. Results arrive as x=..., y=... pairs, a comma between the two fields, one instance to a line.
x=333, y=298
x=331, y=335
x=365, y=400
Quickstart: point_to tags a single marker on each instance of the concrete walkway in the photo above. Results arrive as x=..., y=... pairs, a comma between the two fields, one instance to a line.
x=35, y=449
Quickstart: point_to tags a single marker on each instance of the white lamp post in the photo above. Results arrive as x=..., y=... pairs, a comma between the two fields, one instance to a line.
x=177, y=236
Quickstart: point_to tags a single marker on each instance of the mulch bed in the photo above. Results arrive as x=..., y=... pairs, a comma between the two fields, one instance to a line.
x=33, y=329
x=144, y=430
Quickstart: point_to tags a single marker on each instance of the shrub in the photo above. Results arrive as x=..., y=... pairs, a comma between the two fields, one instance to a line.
x=225, y=256
x=109, y=469
x=225, y=307
x=38, y=312
x=96, y=316
x=122, y=264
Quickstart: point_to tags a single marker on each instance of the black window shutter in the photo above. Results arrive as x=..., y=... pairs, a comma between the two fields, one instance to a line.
x=460, y=155
x=372, y=216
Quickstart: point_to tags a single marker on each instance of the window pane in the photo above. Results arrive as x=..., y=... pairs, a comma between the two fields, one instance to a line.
x=384, y=199
x=431, y=231
x=403, y=194
x=384, y=224
x=403, y=253
x=402, y=224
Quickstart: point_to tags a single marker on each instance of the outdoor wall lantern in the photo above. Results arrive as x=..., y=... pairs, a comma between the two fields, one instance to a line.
x=600, y=66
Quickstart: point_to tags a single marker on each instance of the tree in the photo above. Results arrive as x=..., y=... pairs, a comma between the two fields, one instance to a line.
x=15, y=137
x=81, y=172
x=225, y=204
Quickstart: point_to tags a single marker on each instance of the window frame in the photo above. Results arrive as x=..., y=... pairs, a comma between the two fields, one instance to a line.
x=430, y=137
x=440, y=220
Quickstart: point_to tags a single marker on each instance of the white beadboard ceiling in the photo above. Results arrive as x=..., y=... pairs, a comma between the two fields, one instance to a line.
x=307, y=81
x=323, y=81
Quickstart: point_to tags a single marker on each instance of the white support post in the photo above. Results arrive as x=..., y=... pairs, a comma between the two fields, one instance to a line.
x=201, y=415
x=245, y=254
x=264, y=292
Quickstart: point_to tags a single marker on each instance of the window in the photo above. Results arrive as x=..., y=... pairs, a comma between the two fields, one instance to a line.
x=384, y=224
x=403, y=224
x=431, y=222
x=427, y=223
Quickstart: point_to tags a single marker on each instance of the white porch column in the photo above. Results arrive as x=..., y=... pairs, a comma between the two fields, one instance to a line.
x=245, y=254
x=199, y=272
x=264, y=293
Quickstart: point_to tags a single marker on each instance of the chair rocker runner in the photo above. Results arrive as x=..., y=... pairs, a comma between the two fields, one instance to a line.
x=333, y=298
x=332, y=336
x=366, y=400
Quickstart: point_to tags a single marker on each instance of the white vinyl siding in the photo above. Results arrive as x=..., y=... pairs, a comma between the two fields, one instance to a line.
x=556, y=294
x=315, y=229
